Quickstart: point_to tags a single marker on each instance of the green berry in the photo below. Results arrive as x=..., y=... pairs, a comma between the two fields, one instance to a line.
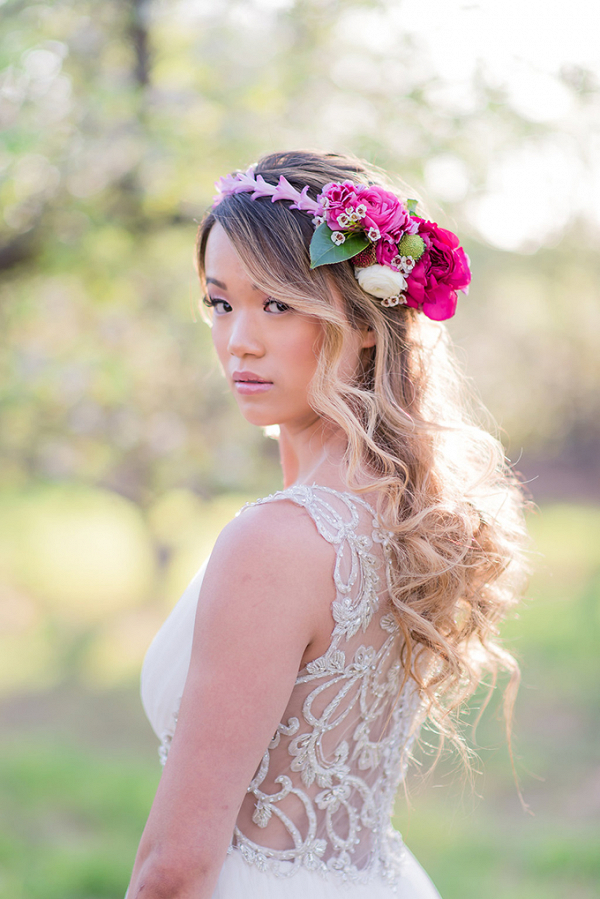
x=411, y=245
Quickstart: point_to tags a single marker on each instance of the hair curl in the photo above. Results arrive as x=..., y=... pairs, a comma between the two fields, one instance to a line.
x=446, y=493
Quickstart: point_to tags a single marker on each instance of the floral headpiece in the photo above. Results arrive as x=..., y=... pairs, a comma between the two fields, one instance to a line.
x=398, y=257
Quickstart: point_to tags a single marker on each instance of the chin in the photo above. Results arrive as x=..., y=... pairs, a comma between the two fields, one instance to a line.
x=261, y=419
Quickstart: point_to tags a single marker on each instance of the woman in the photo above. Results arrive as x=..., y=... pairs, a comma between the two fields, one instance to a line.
x=337, y=615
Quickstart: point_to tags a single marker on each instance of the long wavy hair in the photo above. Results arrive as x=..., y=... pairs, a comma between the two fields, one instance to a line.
x=446, y=493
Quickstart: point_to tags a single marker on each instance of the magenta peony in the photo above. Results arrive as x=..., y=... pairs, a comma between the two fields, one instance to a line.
x=440, y=272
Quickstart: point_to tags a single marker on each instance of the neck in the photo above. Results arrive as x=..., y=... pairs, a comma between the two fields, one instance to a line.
x=313, y=455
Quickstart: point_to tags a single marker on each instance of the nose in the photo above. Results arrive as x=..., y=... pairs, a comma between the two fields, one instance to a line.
x=244, y=336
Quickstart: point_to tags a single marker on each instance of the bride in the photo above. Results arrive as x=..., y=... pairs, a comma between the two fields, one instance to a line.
x=336, y=616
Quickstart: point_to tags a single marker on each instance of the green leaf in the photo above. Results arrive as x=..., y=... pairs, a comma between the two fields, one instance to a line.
x=324, y=252
x=412, y=206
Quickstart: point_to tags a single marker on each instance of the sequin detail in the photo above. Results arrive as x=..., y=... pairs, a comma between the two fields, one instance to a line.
x=322, y=797
x=346, y=787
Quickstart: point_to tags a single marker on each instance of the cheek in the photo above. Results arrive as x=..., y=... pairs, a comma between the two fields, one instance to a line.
x=302, y=351
x=219, y=340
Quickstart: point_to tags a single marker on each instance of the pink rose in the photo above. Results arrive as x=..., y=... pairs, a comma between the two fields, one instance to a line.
x=442, y=270
x=359, y=207
x=385, y=212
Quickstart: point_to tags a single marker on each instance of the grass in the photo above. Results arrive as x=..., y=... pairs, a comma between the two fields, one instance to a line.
x=70, y=820
x=73, y=800
x=503, y=854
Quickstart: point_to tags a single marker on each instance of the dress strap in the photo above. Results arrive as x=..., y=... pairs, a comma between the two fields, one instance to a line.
x=336, y=517
x=335, y=512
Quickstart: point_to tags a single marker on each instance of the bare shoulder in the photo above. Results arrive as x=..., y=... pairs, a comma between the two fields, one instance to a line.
x=282, y=521
x=274, y=542
x=268, y=583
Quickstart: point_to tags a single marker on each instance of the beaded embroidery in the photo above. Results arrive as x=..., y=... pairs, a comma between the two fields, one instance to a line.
x=329, y=776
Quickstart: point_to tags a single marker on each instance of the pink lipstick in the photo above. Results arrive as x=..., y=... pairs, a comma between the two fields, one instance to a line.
x=248, y=383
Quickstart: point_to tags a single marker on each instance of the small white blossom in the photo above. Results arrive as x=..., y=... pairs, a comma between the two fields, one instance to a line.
x=338, y=238
x=373, y=233
x=361, y=210
x=318, y=219
x=405, y=264
x=343, y=220
x=393, y=301
x=349, y=210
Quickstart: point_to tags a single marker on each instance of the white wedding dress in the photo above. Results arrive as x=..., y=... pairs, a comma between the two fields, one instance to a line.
x=315, y=821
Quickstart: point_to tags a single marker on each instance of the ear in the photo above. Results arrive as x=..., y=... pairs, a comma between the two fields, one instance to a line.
x=369, y=338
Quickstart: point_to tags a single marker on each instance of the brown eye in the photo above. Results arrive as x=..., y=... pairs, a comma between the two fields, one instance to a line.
x=220, y=306
x=276, y=306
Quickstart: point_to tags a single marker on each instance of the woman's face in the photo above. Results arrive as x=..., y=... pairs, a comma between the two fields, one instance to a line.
x=267, y=349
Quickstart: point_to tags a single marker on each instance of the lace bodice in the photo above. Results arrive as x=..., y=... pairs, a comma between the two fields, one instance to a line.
x=323, y=794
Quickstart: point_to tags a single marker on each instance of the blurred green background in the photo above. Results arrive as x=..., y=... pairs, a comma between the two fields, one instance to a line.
x=122, y=455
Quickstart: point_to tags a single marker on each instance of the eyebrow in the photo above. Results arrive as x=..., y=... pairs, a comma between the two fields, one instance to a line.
x=222, y=285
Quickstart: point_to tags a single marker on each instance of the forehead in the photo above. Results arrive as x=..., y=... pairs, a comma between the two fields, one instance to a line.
x=219, y=249
x=221, y=261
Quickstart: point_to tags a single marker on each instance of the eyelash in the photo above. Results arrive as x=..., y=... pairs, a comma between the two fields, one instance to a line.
x=214, y=303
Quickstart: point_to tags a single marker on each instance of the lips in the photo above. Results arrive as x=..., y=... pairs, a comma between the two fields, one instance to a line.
x=248, y=383
x=249, y=377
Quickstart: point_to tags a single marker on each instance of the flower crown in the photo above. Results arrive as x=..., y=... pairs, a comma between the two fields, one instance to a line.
x=398, y=257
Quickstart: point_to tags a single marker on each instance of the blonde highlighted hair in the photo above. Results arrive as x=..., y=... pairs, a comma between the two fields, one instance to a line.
x=446, y=494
